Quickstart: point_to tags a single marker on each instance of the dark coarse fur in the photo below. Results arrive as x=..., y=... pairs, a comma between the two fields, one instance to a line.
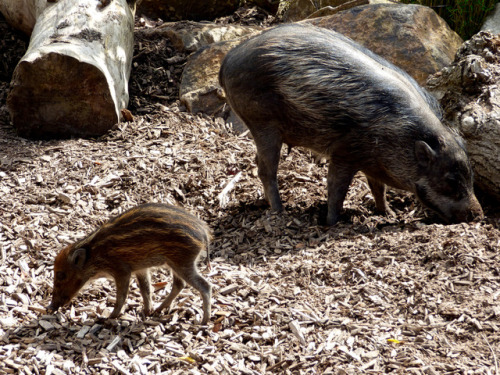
x=311, y=87
x=146, y=236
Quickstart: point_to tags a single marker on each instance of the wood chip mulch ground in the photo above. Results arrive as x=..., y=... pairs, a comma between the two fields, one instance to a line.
x=374, y=294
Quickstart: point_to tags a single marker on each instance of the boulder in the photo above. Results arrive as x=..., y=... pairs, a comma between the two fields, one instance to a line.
x=190, y=36
x=175, y=10
x=298, y=10
x=200, y=90
x=469, y=91
x=301, y=9
x=412, y=37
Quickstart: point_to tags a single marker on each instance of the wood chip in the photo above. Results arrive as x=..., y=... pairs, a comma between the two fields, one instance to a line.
x=295, y=328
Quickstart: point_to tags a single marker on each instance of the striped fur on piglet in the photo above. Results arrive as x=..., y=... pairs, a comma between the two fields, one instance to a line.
x=146, y=236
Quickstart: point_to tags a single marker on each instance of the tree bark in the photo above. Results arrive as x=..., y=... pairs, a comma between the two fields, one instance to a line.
x=469, y=91
x=73, y=79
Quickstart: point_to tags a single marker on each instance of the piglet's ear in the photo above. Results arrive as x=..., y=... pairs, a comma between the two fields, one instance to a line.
x=424, y=153
x=78, y=258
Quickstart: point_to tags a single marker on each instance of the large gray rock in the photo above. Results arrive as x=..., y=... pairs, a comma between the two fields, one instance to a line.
x=412, y=37
x=189, y=36
x=200, y=90
x=298, y=10
x=301, y=9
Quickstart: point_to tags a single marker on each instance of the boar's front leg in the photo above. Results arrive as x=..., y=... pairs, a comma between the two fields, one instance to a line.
x=339, y=179
x=122, y=284
x=268, y=157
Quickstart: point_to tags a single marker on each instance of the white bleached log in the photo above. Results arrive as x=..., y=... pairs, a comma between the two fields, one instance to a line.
x=22, y=14
x=73, y=80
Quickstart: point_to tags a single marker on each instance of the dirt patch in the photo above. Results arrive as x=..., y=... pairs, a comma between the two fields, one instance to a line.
x=371, y=295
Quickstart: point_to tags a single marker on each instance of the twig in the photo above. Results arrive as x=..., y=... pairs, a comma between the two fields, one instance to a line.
x=223, y=199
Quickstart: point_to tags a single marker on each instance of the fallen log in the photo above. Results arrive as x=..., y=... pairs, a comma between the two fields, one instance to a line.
x=73, y=79
x=22, y=14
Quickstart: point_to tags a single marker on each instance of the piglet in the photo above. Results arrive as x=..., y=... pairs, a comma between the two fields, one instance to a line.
x=146, y=236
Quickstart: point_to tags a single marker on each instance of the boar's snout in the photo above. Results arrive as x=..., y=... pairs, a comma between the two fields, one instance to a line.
x=469, y=211
x=451, y=210
x=475, y=212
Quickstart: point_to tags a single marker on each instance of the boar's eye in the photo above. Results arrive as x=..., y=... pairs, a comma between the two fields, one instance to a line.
x=60, y=276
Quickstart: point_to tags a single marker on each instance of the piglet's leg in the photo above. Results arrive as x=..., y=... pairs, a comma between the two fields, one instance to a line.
x=144, y=280
x=122, y=285
x=193, y=278
x=177, y=285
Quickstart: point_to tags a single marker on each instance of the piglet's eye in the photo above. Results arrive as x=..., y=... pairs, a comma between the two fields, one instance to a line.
x=60, y=275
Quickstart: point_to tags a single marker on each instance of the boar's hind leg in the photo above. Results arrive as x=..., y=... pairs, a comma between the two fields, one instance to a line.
x=268, y=157
x=144, y=280
x=122, y=285
x=177, y=285
x=378, y=191
x=339, y=179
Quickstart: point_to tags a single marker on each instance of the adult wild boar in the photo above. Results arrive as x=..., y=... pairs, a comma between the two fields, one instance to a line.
x=311, y=87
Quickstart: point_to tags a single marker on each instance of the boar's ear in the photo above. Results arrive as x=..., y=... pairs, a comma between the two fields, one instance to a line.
x=79, y=257
x=424, y=153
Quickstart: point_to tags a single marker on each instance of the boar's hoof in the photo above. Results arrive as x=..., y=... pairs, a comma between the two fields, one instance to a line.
x=387, y=212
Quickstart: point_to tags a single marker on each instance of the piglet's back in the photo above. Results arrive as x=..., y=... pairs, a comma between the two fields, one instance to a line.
x=147, y=236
